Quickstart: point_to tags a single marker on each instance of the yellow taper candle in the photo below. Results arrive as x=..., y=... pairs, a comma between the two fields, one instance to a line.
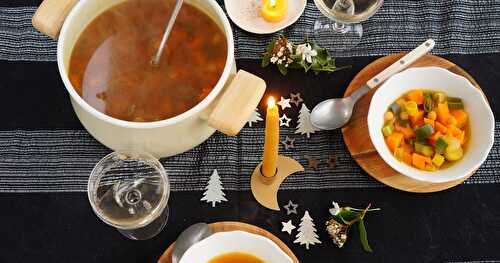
x=271, y=141
x=274, y=10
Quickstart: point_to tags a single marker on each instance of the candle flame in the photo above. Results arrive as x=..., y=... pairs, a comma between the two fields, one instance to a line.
x=271, y=102
x=272, y=3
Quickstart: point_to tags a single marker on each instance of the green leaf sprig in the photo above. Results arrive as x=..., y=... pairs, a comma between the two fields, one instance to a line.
x=307, y=56
x=342, y=219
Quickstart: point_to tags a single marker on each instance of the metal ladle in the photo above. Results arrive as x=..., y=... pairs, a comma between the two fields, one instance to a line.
x=156, y=59
x=334, y=113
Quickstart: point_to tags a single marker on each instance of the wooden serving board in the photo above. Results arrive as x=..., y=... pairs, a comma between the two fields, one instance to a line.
x=357, y=138
x=233, y=226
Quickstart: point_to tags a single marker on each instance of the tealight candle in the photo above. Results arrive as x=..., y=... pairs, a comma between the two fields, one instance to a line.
x=271, y=140
x=274, y=10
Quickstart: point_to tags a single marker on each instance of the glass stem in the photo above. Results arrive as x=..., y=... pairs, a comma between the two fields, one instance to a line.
x=340, y=27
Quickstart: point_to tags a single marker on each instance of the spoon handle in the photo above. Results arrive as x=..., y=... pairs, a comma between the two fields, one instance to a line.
x=166, y=34
x=402, y=63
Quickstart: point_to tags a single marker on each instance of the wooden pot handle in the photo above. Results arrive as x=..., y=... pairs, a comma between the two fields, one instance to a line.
x=237, y=103
x=50, y=16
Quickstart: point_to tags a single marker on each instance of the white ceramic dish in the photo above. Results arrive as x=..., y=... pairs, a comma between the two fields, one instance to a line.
x=235, y=241
x=246, y=15
x=481, y=118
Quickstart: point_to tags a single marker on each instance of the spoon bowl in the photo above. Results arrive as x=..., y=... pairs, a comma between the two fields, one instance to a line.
x=332, y=114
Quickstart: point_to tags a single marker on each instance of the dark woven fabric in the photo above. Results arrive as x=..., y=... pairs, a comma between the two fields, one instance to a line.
x=459, y=27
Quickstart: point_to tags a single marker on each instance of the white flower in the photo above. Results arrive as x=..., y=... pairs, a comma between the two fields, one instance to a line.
x=306, y=51
x=335, y=210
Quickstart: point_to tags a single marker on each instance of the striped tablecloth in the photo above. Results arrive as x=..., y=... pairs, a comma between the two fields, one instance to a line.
x=46, y=155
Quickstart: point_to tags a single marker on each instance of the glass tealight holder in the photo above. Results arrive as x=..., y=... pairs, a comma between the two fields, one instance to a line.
x=130, y=191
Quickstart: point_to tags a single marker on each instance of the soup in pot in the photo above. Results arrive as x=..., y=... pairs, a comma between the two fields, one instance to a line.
x=110, y=65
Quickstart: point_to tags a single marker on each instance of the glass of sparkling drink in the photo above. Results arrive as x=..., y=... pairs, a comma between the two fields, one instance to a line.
x=130, y=192
x=340, y=29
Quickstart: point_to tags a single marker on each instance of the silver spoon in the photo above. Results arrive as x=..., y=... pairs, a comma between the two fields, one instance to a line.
x=334, y=113
x=189, y=237
x=168, y=29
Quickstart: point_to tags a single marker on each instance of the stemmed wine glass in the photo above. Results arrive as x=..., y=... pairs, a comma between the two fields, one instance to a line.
x=341, y=30
x=130, y=192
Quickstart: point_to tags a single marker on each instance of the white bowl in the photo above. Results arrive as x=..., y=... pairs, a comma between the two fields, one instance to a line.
x=481, y=119
x=235, y=241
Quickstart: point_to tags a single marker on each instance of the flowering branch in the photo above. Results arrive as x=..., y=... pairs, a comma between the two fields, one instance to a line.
x=342, y=220
x=308, y=56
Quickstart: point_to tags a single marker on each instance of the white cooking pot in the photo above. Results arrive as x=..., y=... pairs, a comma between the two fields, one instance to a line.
x=226, y=108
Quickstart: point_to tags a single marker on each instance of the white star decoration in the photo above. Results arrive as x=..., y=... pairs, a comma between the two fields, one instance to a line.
x=288, y=227
x=285, y=121
x=284, y=103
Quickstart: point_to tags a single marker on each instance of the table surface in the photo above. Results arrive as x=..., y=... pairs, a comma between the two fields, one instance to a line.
x=461, y=224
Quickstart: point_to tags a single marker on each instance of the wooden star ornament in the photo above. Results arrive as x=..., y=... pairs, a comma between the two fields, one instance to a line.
x=313, y=163
x=296, y=99
x=332, y=161
x=289, y=143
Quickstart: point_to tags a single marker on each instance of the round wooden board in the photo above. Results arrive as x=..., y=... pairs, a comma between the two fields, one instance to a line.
x=357, y=138
x=232, y=226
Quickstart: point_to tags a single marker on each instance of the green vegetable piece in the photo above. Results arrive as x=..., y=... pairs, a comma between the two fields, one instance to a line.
x=455, y=105
x=403, y=123
x=441, y=145
x=395, y=108
x=453, y=99
x=439, y=97
x=423, y=149
x=424, y=132
x=411, y=108
x=387, y=130
x=453, y=154
x=453, y=143
x=438, y=160
x=428, y=102
x=399, y=154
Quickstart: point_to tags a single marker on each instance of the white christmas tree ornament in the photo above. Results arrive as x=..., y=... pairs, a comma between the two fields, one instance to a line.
x=214, y=189
x=307, y=232
x=304, y=125
x=255, y=117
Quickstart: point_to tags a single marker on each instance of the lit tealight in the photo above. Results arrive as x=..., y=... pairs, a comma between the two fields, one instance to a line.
x=274, y=10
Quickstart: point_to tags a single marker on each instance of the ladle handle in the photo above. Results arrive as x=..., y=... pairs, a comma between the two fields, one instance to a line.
x=235, y=106
x=402, y=63
x=50, y=16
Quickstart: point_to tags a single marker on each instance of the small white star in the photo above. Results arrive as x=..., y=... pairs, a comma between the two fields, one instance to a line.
x=288, y=227
x=291, y=208
x=285, y=121
x=284, y=103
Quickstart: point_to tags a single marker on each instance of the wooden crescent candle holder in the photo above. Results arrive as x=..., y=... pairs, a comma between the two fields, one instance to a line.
x=265, y=189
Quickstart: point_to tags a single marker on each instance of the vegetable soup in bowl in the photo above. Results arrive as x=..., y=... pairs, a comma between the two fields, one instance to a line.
x=431, y=125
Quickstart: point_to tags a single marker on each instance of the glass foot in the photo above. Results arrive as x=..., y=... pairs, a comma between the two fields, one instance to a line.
x=150, y=230
x=336, y=37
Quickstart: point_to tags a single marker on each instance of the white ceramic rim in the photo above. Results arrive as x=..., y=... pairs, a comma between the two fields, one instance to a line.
x=217, y=235
x=411, y=171
x=263, y=31
x=147, y=125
